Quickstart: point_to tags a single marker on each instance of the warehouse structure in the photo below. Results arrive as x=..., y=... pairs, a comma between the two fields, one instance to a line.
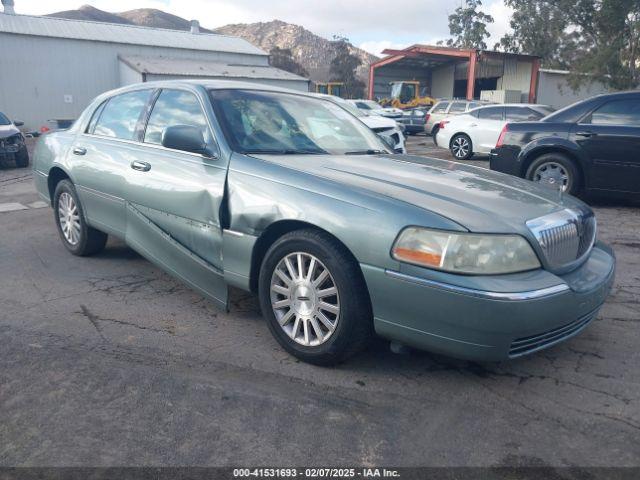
x=445, y=72
x=51, y=68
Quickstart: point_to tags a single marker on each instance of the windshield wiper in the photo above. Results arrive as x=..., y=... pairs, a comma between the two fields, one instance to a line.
x=286, y=152
x=367, y=152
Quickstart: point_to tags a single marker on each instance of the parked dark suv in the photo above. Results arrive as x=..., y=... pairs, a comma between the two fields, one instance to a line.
x=12, y=144
x=593, y=145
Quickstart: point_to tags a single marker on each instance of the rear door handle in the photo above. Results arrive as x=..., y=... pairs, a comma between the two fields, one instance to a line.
x=586, y=134
x=79, y=150
x=473, y=125
x=141, y=166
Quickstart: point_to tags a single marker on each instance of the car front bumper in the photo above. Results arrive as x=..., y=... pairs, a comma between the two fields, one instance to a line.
x=489, y=318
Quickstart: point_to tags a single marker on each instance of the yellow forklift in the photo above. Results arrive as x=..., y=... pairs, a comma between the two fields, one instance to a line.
x=406, y=95
x=330, y=88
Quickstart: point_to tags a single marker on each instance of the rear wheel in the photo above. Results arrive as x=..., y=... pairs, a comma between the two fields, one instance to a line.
x=555, y=170
x=461, y=147
x=78, y=237
x=314, y=298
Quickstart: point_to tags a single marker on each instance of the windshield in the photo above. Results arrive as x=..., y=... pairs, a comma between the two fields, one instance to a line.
x=4, y=120
x=282, y=123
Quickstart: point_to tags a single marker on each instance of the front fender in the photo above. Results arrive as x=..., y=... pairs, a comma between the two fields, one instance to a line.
x=261, y=193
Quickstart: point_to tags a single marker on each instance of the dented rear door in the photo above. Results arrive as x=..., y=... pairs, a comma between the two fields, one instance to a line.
x=174, y=199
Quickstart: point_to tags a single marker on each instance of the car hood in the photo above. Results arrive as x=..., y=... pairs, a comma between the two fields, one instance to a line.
x=378, y=122
x=476, y=198
x=8, y=130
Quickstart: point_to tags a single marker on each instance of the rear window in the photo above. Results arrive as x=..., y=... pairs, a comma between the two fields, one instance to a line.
x=121, y=114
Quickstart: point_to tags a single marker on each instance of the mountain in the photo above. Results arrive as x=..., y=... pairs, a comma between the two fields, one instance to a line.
x=312, y=51
x=87, y=12
x=150, y=17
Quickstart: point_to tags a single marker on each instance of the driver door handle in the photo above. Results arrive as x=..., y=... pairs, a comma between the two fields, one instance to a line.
x=141, y=166
x=586, y=134
x=79, y=150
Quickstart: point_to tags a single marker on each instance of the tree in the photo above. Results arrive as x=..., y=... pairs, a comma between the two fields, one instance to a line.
x=283, y=58
x=468, y=26
x=539, y=28
x=594, y=39
x=343, y=68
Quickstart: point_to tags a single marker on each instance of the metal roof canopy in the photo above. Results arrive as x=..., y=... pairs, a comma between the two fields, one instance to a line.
x=123, y=34
x=428, y=56
x=195, y=68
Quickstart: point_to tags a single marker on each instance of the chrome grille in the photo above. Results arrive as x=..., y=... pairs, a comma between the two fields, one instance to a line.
x=565, y=237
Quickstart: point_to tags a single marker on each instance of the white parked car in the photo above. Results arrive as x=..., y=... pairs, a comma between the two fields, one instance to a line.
x=374, y=108
x=477, y=131
x=385, y=127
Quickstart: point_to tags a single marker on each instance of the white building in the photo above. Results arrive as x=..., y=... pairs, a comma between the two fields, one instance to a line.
x=51, y=68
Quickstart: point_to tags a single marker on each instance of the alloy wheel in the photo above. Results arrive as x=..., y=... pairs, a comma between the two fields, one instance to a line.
x=553, y=175
x=69, y=218
x=460, y=147
x=305, y=299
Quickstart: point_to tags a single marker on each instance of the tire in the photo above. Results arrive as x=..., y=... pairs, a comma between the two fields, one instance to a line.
x=555, y=169
x=300, y=304
x=22, y=158
x=81, y=240
x=461, y=146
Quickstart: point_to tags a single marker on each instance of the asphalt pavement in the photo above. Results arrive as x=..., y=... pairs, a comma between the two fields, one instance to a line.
x=108, y=361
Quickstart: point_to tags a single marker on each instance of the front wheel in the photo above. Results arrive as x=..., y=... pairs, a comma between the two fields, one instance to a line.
x=555, y=170
x=314, y=298
x=22, y=158
x=461, y=146
x=76, y=235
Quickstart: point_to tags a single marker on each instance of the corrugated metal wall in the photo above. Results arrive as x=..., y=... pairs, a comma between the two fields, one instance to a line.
x=517, y=76
x=442, y=81
x=554, y=90
x=43, y=78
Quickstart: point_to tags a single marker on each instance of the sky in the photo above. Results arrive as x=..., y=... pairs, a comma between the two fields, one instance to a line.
x=370, y=24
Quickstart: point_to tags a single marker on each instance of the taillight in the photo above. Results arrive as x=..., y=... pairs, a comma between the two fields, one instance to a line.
x=427, y=116
x=442, y=124
x=503, y=133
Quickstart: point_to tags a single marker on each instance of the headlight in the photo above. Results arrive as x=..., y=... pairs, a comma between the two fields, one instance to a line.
x=470, y=253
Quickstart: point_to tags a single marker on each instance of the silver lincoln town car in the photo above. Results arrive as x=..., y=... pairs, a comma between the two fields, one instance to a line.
x=292, y=197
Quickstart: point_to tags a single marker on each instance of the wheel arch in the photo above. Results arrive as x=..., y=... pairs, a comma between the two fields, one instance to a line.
x=56, y=175
x=275, y=231
x=534, y=154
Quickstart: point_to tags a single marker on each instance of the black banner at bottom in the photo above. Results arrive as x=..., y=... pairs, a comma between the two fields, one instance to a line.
x=285, y=473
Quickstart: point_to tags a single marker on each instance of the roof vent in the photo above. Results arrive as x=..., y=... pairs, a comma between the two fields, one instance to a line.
x=8, y=7
x=195, y=25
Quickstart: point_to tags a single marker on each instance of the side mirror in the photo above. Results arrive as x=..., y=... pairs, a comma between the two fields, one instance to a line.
x=18, y=124
x=186, y=138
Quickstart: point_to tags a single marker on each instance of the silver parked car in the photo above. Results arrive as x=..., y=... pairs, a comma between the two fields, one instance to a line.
x=447, y=108
x=291, y=197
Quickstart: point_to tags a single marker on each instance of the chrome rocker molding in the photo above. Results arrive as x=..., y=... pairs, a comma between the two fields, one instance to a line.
x=510, y=296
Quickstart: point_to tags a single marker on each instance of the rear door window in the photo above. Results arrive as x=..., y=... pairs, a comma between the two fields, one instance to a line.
x=490, y=113
x=521, y=114
x=458, y=107
x=121, y=115
x=617, y=112
x=174, y=107
x=440, y=107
